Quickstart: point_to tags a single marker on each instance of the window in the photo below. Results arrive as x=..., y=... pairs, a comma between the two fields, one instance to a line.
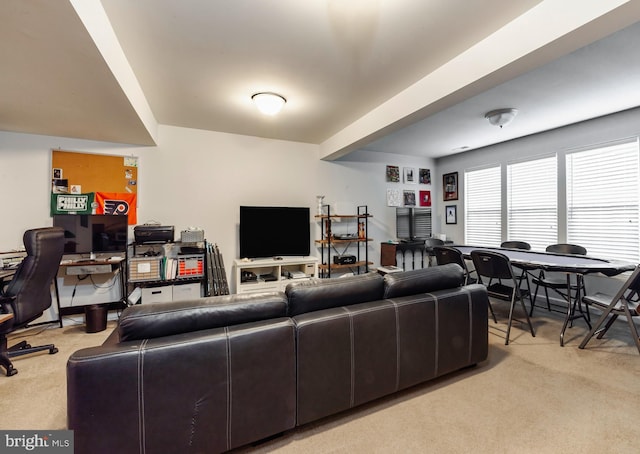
x=602, y=201
x=482, y=207
x=532, y=202
x=413, y=223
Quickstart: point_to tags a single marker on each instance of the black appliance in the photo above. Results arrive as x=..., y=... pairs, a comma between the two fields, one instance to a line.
x=151, y=233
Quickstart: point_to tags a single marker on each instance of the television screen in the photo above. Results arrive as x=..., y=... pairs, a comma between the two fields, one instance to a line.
x=93, y=233
x=274, y=231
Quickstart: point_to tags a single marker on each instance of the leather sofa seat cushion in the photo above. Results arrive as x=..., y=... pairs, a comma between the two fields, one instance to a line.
x=423, y=280
x=317, y=294
x=166, y=319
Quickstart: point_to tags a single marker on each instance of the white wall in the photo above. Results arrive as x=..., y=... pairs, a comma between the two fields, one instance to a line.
x=200, y=178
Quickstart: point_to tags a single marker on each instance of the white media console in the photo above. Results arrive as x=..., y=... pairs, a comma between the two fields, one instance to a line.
x=272, y=274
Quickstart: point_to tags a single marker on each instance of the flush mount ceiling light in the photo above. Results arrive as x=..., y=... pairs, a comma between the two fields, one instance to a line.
x=268, y=103
x=501, y=117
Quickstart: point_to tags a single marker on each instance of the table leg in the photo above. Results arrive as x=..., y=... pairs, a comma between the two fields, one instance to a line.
x=571, y=306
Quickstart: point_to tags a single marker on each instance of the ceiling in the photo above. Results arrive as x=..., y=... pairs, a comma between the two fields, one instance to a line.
x=399, y=76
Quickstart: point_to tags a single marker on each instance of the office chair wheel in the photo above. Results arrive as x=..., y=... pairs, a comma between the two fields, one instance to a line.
x=53, y=350
x=11, y=371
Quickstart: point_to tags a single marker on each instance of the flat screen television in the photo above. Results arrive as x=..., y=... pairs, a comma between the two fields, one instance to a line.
x=267, y=231
x=93, y=233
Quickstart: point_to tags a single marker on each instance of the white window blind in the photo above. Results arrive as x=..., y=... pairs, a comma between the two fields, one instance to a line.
x=482, y=207
x=532, y=202
x=602, y=201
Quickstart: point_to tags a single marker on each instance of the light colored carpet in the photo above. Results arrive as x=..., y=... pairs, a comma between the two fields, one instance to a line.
x=36, y=398
x=531, y=396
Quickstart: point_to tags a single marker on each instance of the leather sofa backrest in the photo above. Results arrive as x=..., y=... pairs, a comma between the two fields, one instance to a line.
x=148, y=321
x=318, y=294
x=423, y=280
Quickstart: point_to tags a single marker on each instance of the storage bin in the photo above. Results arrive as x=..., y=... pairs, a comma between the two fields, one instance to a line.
x=186, y=292
x=190, y=266
x=144, y=269
x=162, y=294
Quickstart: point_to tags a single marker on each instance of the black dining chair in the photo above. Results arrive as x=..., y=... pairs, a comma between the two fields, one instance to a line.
x=516, y=245
x=524, y=274
x=559, y=283
x=494, y=266
x=429, y=244
x=625, y=303
x=446, y=254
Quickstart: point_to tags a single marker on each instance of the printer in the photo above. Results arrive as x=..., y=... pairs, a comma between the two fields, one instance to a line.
x=152, y=233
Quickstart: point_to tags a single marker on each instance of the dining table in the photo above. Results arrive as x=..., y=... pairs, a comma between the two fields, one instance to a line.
x=570, y=264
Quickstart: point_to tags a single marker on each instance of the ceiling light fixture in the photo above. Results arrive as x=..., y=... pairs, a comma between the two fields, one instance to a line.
x=501, y=117
x=268, y=103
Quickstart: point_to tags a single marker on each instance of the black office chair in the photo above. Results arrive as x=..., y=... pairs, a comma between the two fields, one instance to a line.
x=559, y=283
x=28, y=294
x=625, y=302
x=445, y=254
x=429, y=244
x=492, y=266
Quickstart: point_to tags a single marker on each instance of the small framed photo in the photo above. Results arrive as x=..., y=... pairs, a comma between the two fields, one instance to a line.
x=409, y=198
x=394, y=198
x=450, y=186
x=425, y=198
x=451, y=213
x=409, y=175
x=424, y=176
x=393, y=174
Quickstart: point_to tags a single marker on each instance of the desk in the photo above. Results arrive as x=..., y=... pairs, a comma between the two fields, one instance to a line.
x=86, y=267
x=6, y=274
x=563, y=263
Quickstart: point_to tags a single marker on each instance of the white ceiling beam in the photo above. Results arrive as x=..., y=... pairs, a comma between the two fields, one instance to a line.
x=95, y=20
x=549, y=30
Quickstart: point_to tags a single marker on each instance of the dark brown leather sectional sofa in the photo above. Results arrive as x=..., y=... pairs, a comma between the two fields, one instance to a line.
x=217, y=373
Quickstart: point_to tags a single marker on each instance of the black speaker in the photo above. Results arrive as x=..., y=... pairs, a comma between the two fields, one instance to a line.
x=344, y=259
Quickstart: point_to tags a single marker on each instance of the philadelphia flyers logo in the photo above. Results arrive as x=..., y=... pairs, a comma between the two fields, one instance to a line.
x=120, y=207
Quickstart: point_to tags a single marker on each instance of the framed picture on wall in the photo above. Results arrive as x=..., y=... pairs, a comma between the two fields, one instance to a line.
x=425, y=198
x=451, y=213
x=409, y=198
x=409, y=175
x=393, y=174
x=424, y=176
x=394, y=198
x=450, y=186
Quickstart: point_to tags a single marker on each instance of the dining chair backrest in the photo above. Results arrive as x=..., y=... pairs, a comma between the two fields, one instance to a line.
x=431, y=242
x=492, y=264
x=445, y=255
x=564, y=248
x=516, y=245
